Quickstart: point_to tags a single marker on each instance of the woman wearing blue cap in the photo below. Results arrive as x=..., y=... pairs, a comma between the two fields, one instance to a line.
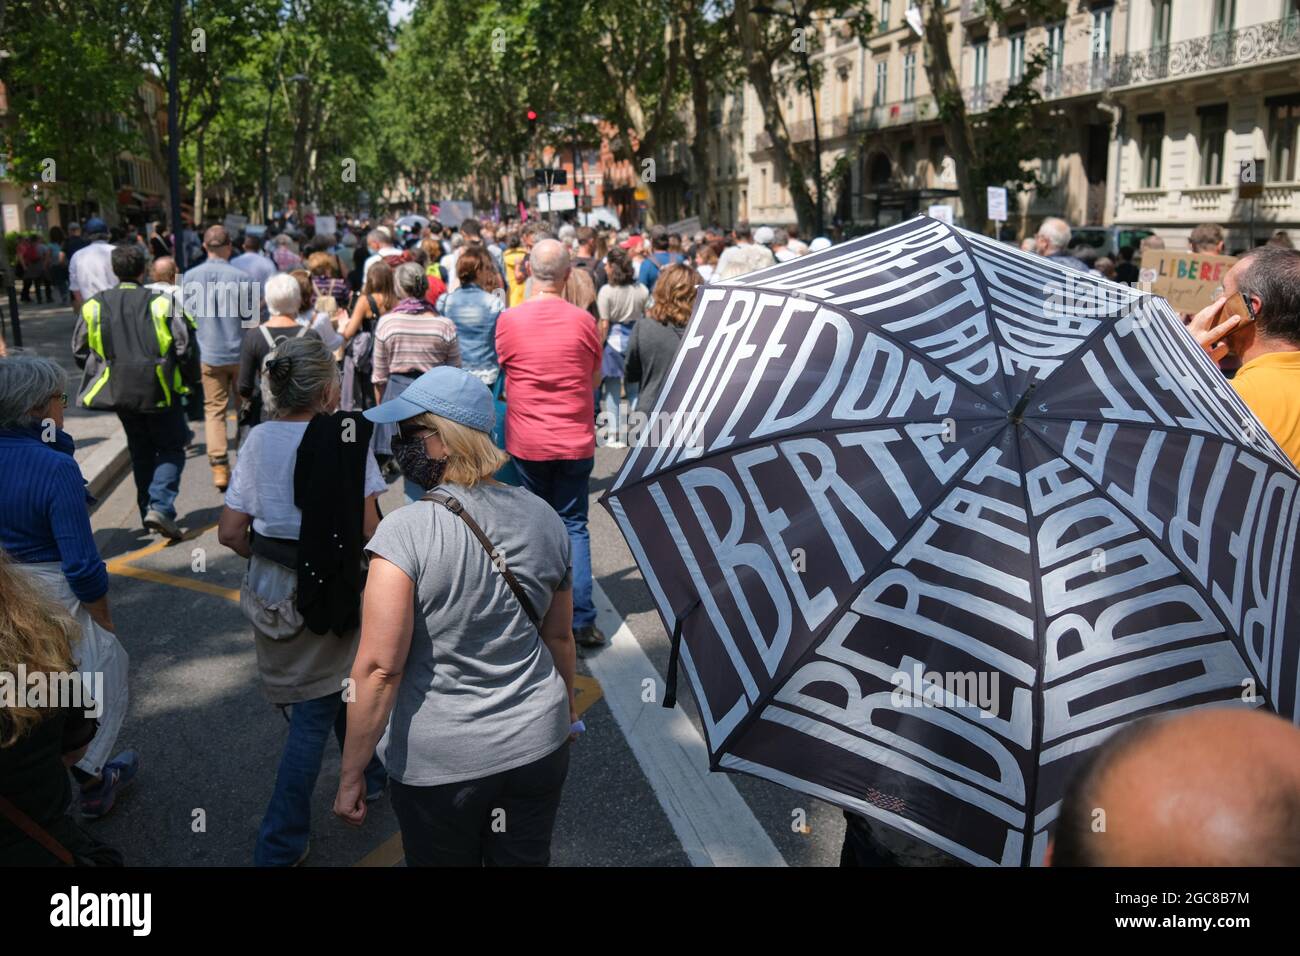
x=466, y=662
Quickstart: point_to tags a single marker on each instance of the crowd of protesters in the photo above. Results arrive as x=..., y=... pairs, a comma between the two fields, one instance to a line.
x=483, y=364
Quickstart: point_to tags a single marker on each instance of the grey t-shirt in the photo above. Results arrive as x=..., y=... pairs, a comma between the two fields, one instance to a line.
x=480, y=693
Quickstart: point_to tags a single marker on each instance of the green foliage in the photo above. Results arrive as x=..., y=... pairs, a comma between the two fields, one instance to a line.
x=65, y=87
x=1012, y=133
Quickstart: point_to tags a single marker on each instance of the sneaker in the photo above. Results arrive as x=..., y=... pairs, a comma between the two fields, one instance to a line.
x=117, y=776
x=159, y=523
x=589, y=636
x=221, y=477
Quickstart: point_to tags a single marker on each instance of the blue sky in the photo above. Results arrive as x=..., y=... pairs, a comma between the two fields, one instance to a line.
x=400, y=10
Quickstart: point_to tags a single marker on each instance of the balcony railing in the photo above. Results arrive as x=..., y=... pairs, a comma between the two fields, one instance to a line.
x=1074, y=79
x=1257, y=43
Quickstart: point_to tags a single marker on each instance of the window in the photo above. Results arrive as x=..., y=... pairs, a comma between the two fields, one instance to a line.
x=884, y=14
x=980, y=71
x=1055, y=47
x=1151, y=145
x=1224, y=17
x=907, y=160
x=1016, y=56
x=1214, y=127
x=1049, y=171
x=909, y=75
x=1101, y=23
x=1160, y=13
x=1283, y=125
x=882, y=82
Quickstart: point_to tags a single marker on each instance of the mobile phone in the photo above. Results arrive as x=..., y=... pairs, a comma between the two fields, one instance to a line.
x=1237, y=304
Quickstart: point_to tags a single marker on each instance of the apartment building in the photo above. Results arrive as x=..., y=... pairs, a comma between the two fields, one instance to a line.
x=138, y=186
x=1205, y=86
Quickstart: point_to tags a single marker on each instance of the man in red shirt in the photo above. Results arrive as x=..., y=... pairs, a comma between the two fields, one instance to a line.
x=550, y=353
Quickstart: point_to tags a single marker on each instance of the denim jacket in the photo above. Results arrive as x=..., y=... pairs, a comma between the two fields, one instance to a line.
x=474, y=312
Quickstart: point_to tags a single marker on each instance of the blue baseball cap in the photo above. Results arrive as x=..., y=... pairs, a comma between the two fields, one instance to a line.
x=452, y=393
x=96, y=224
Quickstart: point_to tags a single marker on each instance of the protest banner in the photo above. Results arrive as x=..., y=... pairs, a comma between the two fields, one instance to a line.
x=1187, y=279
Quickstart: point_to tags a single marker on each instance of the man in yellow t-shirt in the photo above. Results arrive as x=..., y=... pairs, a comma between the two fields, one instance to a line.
x=1268, y=381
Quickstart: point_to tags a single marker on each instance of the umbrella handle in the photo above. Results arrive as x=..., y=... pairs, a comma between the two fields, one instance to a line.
x=675, y=646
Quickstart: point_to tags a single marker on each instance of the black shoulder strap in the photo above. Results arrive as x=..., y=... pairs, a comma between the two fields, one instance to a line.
x=455, y=507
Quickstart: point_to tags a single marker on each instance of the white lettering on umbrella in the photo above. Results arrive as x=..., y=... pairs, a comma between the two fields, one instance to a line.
x=731, y=552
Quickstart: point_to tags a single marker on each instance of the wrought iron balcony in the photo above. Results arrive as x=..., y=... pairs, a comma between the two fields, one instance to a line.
x=1257, y=43
x=1074, y=79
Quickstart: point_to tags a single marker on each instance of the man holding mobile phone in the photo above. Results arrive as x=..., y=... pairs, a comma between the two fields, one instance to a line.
x=1257, y=319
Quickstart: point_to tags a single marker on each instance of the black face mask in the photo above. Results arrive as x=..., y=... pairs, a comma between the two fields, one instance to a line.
x=415, y=463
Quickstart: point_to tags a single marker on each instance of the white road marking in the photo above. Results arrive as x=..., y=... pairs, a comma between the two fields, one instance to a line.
x=711, y=819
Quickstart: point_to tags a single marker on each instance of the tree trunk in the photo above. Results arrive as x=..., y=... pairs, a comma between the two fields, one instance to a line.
x=706, y=203
x=786, y=165
x=946, y=88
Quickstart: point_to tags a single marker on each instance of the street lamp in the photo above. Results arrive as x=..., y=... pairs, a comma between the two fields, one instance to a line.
x=266, y=132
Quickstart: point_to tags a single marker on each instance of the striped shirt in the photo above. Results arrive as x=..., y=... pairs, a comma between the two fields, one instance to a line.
x=413, y=343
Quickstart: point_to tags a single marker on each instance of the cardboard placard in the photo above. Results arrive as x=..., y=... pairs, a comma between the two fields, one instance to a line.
x=1187, y=279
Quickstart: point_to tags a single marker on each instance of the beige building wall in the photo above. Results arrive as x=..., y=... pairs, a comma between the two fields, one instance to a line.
x=1205, y=88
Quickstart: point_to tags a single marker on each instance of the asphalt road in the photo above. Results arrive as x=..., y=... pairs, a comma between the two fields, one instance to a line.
x=638, y=792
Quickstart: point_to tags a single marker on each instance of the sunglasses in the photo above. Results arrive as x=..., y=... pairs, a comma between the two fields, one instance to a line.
x=416, y=433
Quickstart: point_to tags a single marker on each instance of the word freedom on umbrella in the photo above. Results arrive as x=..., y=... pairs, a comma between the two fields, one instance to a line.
x=890, y=481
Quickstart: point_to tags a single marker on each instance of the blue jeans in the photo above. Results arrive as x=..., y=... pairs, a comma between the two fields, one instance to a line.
x=156, y=441
x=611, y=392
x=563, y=485
x=287, y=824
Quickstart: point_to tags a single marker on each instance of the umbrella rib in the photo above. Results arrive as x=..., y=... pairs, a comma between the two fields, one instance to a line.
x=1040, y=641
x=1187, y=575
x=1282, y=460
x=776, y=439
x=988, y=311
x=814, y=640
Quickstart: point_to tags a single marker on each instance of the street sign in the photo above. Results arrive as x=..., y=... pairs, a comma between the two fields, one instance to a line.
x=283, y=184
x=556, y=201
x=1250, y=179
x=942, y=213
x=549, y=178
x=998, y=203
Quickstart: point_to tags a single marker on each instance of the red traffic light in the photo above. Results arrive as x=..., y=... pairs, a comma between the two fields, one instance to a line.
x=532, y=116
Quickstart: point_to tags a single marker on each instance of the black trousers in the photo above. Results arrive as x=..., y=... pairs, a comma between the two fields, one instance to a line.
x=502, y=820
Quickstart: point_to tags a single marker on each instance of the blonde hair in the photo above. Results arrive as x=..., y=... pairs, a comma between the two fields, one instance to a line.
x=34, y=633
x=471, y=456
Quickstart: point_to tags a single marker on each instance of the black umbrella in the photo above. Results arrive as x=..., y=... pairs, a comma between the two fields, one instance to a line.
x=929, y=518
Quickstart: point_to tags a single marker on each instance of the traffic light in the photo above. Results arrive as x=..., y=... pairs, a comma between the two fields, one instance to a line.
x=532, y=122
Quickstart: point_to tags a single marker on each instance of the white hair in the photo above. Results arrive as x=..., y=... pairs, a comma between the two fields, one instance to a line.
x=1056, y=232
x=283, y=294
x=549, y=260
x=739, y=260
x=27, y=382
